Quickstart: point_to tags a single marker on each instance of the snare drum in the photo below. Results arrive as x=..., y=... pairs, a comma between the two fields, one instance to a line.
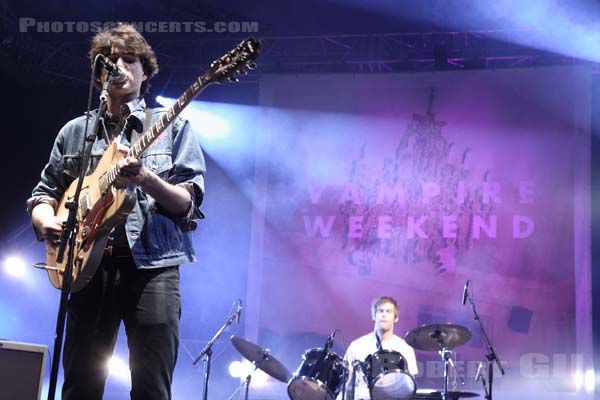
x=387, y=375
x=319, y=377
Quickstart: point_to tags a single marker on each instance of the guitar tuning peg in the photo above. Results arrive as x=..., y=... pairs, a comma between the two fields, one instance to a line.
x=233, y=79
x=242, y=71
x=252, y=65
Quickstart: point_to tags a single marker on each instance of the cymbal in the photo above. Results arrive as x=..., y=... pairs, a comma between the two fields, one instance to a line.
x=429, y=394
x=432, y=337
x=262, y=359
x=457, y=394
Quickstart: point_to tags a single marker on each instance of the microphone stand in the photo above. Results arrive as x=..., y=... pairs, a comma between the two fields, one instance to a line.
x=378, y=340
x=491, y=356
x=207, y=351
x=69, y=236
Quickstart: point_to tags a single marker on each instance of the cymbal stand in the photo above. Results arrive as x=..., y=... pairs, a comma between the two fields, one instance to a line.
x=456, y=372
x=446, y=355
x=245, y=383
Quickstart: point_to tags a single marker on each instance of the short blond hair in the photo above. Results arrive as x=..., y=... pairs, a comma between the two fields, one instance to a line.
x=382, y=300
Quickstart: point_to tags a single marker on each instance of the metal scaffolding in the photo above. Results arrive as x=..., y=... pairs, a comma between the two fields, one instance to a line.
x=60, y=59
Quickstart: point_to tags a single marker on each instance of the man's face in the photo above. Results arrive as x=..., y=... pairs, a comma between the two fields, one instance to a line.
x=385, y=317
x=130, y=63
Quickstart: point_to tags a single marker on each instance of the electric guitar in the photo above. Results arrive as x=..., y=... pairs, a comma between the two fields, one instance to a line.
x=102, y=206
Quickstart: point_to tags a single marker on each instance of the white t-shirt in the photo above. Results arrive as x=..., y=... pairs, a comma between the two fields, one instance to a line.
x=362, y=347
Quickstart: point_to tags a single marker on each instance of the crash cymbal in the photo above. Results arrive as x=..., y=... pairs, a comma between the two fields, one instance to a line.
x=432, y=337
x=262, y=359
x=429, y=394
x=455, y=395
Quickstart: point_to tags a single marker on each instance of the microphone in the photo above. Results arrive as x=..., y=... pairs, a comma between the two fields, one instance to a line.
x=238, y=313
x=465, y=290
x=329, y=342
x=117, y=72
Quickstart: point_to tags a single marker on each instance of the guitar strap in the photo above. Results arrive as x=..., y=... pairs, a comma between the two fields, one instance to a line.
x=148, y=120
x=134, y=135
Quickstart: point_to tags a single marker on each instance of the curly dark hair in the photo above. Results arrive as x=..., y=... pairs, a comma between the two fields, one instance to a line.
x=131, y=41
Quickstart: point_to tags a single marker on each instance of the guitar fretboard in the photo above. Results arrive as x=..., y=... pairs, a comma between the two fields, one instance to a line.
x=154, y=132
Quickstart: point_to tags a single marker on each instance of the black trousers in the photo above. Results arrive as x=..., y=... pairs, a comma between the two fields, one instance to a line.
x=149, y=304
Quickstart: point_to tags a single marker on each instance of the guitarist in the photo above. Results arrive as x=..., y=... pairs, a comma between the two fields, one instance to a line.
x=137, y=281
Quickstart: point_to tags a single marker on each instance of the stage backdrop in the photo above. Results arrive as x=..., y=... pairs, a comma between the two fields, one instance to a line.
x=408, y=185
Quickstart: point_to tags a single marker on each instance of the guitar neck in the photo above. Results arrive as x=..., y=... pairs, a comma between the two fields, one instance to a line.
x=154, y=132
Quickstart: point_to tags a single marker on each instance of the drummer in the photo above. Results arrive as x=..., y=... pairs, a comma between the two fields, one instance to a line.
x=384, y=311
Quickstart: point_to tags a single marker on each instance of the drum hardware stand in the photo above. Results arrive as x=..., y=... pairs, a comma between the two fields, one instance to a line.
x=266, y=354
x=355, y=366
x=456, y=375
x=491, y=356
x=246, y=383
x=207, y=350
x=479, y=375
x=442, y=338
x=447, y=359
x=344, y=379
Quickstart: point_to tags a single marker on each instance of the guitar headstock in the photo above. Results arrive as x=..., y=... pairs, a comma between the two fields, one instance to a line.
x=237, y=60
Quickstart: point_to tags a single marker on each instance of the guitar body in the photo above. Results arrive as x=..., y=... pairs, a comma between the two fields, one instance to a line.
x=100, y=210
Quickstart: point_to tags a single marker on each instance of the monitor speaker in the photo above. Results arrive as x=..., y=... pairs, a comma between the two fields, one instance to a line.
x=22, y=368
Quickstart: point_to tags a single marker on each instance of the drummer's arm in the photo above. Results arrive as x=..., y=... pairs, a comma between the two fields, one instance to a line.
x=349, y=378
x=349, y=359
x=348, y=386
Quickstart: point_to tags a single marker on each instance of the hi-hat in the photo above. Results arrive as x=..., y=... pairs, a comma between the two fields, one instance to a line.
x=456, y=394
x=262, y=359
x=434, y=337
x=428, y=394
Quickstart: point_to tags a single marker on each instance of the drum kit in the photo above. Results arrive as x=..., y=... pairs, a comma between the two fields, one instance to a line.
x=322, y=373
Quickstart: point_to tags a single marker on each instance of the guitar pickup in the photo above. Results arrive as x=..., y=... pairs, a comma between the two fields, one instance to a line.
x=84, y=204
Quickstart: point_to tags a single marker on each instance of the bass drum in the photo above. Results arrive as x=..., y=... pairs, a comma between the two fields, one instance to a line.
x=320, y=376
x=387, y=375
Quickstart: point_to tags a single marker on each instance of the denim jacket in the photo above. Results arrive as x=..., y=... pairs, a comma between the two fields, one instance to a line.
x=155, y=238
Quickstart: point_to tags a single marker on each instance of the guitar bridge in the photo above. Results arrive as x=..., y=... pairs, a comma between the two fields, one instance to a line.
x=85, y=231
